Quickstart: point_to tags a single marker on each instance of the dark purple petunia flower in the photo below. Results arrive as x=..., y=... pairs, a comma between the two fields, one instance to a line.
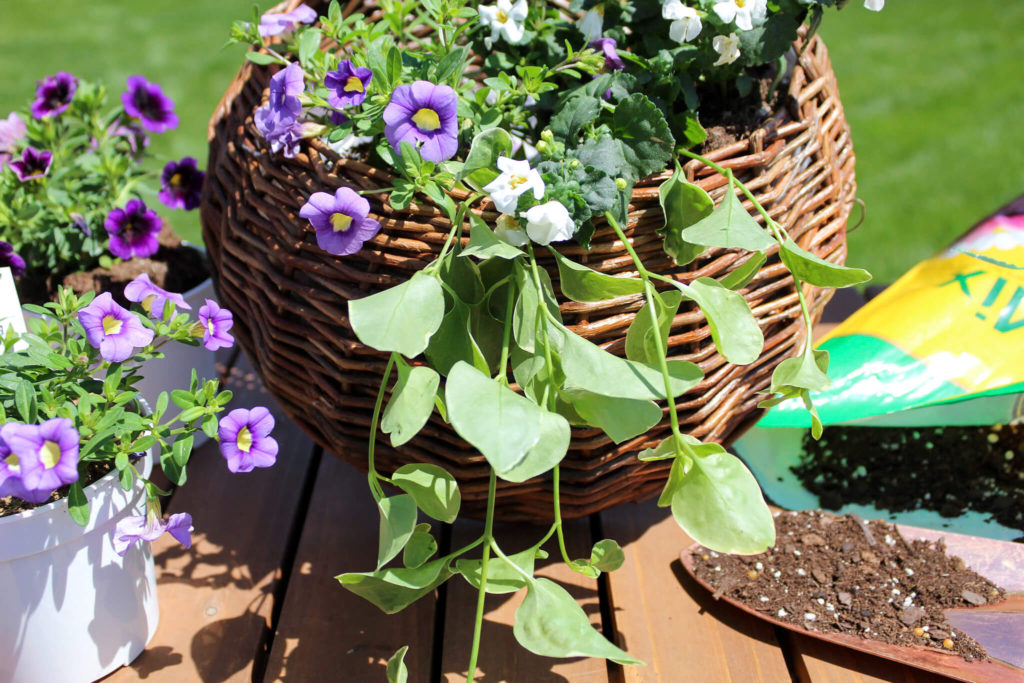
x=612, y=60
x=113, y=329
x=131, y=132
x=34, y=164
x=133, y=230
x=347, y=85
x=54, y=95
x=45, y=456
x=273, y=24
x=424, y=113
x=340, y=220
x=150, y=527
x=11, y=260
x=12, y=131
x=245, y=440
x=181, y=184
x=146, y=101
x=141, y=290
x=216, y=322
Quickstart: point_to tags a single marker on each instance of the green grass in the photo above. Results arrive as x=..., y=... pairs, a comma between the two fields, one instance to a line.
x=933, y=92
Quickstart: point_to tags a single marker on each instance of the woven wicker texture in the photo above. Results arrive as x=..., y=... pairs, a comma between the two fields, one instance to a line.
x=289, y=297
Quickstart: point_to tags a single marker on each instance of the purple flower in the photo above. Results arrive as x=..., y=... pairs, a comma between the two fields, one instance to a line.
x=424, y=113
x=142, y=290
x=340, y=220
x=347, y=85
x=44, y=457
x=216, y=322
x=612, y=60
x=12, y=130
x=146, y=101
x=78, y=220
x=34, y=164
x=285, y=22
x=54, y=94
x=133, y=133
x=113, y=329
x=133, y=230
x=11, y=260
x=245, y=440
x=181, y=184
x=10, y=472
x=277, y=120
x=150, y=527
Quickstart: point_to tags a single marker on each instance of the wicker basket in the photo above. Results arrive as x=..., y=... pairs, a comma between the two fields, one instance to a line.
x=290, y=297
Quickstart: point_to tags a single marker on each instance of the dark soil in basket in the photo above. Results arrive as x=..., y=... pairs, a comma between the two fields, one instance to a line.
x=728, y=119
x=946, y=469
x=843, y=575
x=93, y=472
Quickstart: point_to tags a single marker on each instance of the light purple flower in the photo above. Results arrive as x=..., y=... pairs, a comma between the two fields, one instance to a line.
x=612, y=60
x=54, y=94
x=44, y=457
x=146, y=101
x=142, y=290
x=340, y=220
x=78, y=220
x=150, y=527
x=133, y=230
x=216, y=322
x=10, y=472
x=277, y=120
x=34, y=164
x=347, y=85
x=113, y=329
x=181, y=184
x=11, y=260
x=285, y=22
x=12, y=131
x=424, y=113
x=245, y=440
x=133, y=133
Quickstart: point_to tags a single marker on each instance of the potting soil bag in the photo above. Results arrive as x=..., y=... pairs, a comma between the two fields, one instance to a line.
x=943, y=345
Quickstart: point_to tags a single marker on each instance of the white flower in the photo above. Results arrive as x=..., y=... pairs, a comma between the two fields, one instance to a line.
x=591, y=25
x=746, y=13
x=874, y=5
x=549, y=222
x=685, y=20
x=516, y=178
x=728, y=48
x=509, y=230
x=505, y=20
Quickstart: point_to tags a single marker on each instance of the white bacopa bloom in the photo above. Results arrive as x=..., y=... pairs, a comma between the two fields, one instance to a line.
x=549, y=222
x=746, y=13
x=685, y=20
x=516, y=178
x=591, y=25
x=505, y=20
x=509, y=230
x=727, y=47
x=874, y=5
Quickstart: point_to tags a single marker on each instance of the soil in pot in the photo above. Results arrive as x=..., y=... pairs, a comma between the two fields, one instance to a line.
x=841, y=574
x=94, y=471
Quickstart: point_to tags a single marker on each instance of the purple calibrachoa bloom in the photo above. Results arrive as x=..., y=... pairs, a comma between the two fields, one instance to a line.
x=285, y=22
x=45, y=456
x=54, y=94
x=12, y=131
x=612, y=60
x=11, y=260
x=181, y=184
x=146, y=101
x=113, y=329
x=347, y=85
x=133, y=133
x=216, y=322
x=277, y=120
x=133, y=230
x=10, y=472
x=340, y=220
x=34, y=164
x=141, y=290
x=245, y=440
x=424, y=113
x=150, y=527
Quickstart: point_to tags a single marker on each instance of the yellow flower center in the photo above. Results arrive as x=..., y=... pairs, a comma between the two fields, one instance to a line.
x=341, y=222
x=516, y=180
x=741, y=3
x=175, y=180
x=49, y=454
x=426, y=119
x=244, y=439
x=353, y=84
x=147, y=303
x=502, y=16
x=209, y=326
x=13, y=462
x=111, y=325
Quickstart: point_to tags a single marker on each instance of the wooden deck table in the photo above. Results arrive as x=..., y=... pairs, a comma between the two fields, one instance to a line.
x=255, y=597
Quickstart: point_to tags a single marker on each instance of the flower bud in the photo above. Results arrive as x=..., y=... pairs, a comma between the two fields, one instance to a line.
x=547, y=136
x=621, y=183
x=575, y=163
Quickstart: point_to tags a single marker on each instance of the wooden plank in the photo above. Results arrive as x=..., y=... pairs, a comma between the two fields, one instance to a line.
x=667, y=620
x=326, y=633
x=501, y=657
x=820, y=662
x=216, y=599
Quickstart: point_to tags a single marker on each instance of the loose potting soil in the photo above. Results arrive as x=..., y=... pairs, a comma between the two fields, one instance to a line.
x=10, y=505
x=844, y=575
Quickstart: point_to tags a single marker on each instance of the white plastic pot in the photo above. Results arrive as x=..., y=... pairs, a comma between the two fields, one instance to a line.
x=71, y=609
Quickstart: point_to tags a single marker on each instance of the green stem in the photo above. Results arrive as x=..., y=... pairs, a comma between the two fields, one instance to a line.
x=482, y=595
x=497, y=551
x=371, y=475
x=558, y=516
x=506, y=338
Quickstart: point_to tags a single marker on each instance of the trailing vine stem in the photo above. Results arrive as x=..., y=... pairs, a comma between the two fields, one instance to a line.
x=372, y=476
x=488, y=540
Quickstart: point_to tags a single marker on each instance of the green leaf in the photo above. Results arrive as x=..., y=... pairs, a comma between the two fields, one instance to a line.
x=309, y=45
x=692, y=132
x=78, y=504
x=729, y=226
x=549, y=450
x=644, y=134
x=392, y=590
x=400, y=319
x=806, y=371
x=683, y=204
x=481, y=166
x=665, y=449
x=620, y=418
x=397, y=522
x=741, y=277
x=175, y=473
x=181, y=450
x=607, y=555
x=501, y=577
x=570, y=119
x=454, y=342
x=550, y=623
x=183, y=399
x=434, y=490
x=25, y=401
x=580, y=283
x=641, y=344
x=734, y=330
x=526, y=314
x=420, y=548
x=396, y=670
x=411, y=403
x=483, y=243
x=809, y=268
x=260, y=58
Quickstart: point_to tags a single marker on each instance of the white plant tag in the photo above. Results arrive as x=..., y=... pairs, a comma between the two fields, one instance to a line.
x=10, y=307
